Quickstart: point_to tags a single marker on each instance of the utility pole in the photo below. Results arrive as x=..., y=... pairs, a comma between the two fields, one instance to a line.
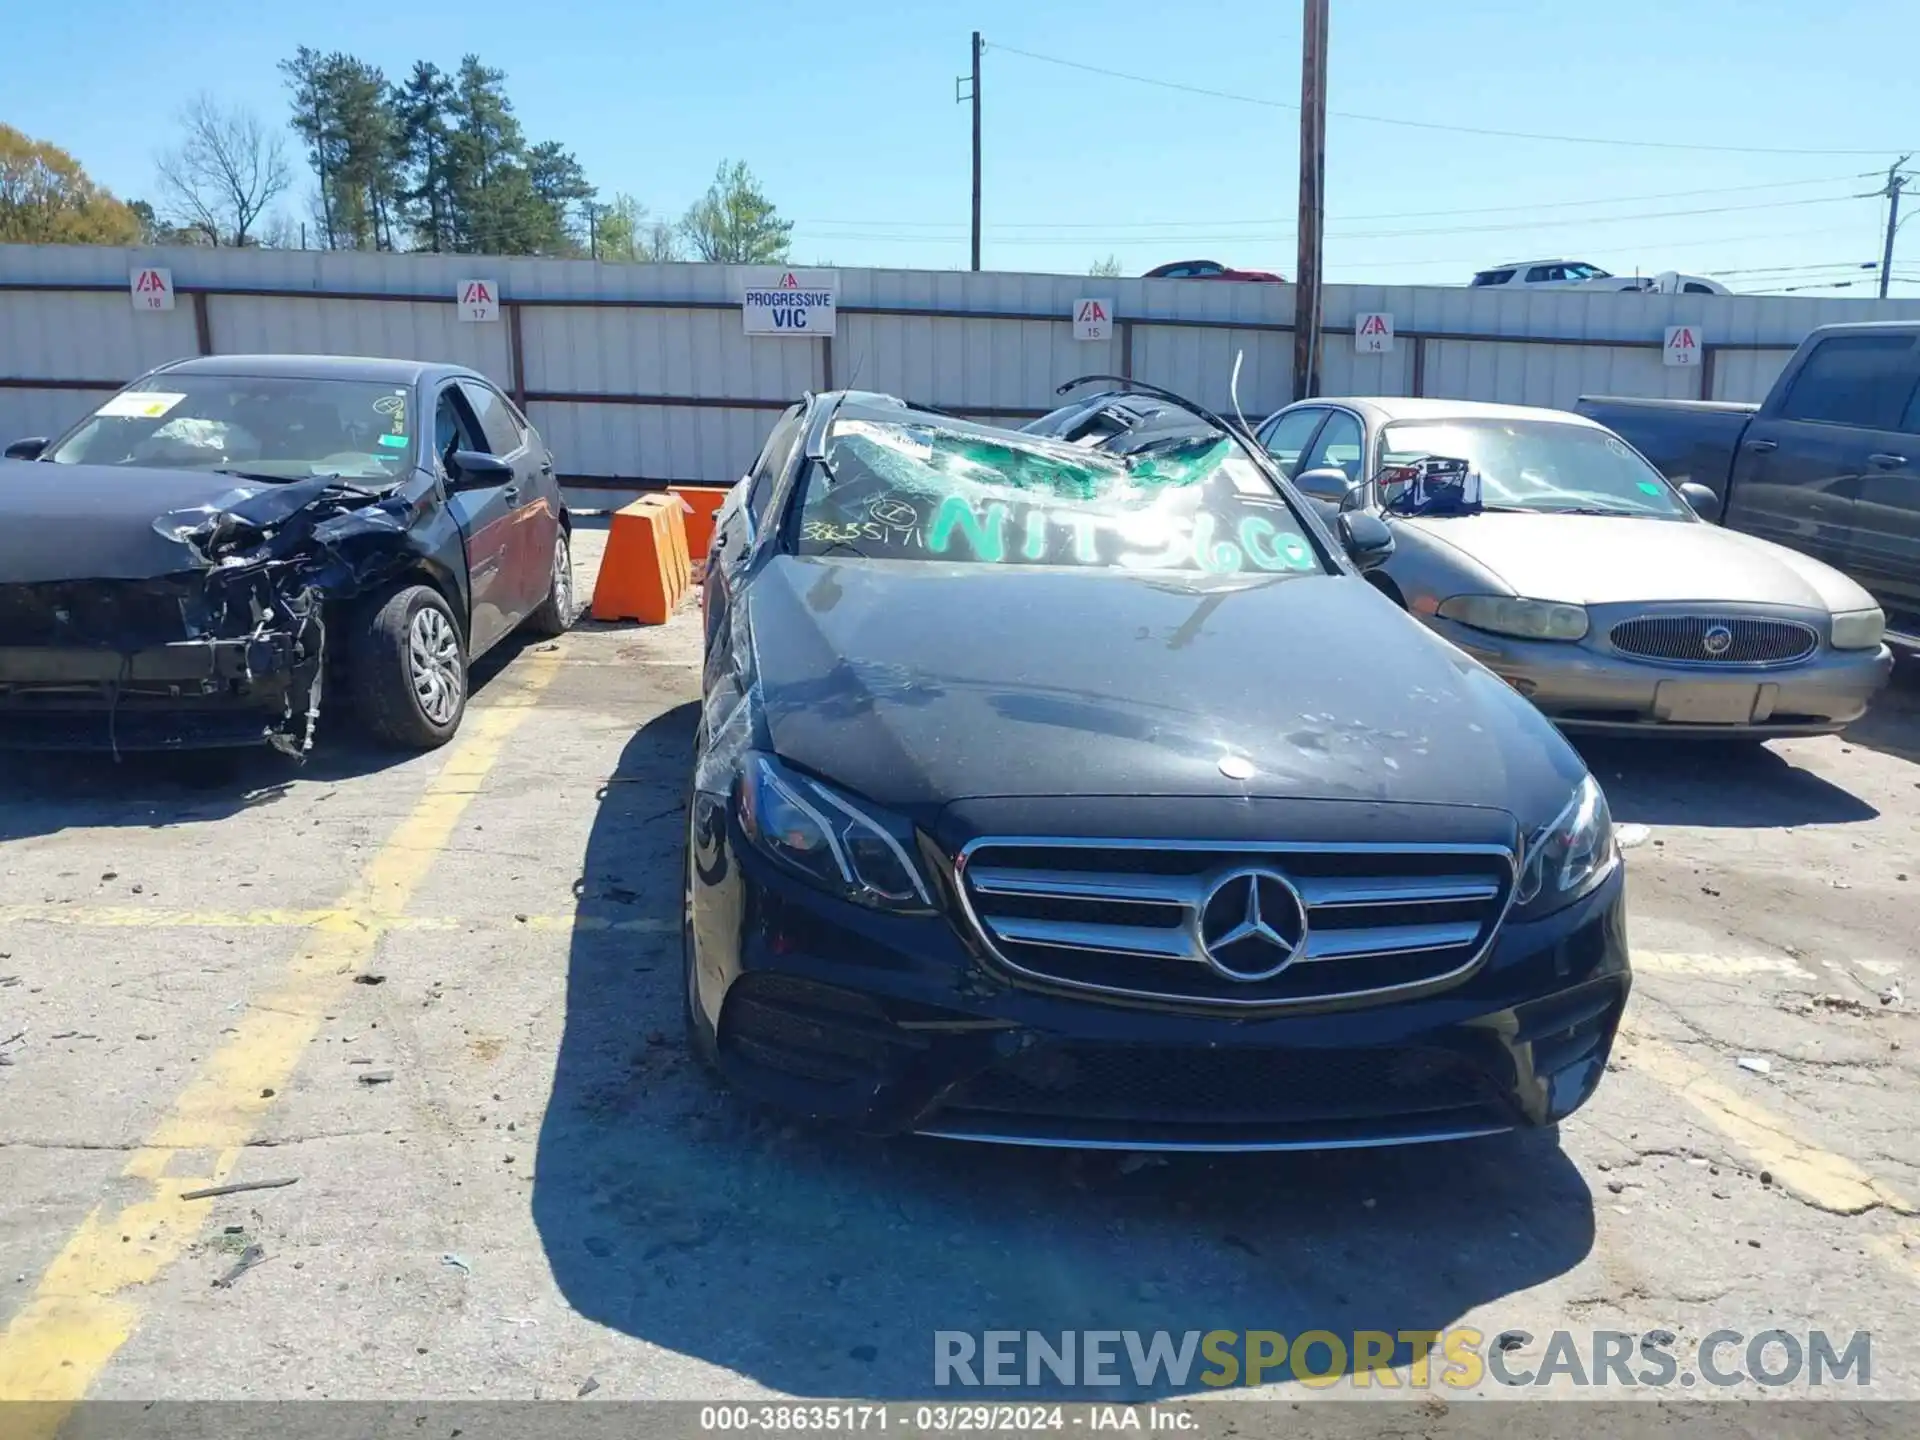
x=1896, y=182
x=593, y=230
x=1313, y=190
x=968, y=88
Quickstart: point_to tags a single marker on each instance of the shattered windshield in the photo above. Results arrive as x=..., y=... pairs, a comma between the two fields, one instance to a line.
x=272, y=428
x=924, y=490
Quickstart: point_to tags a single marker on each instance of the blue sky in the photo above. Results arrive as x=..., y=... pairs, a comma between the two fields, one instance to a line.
x=846, y=111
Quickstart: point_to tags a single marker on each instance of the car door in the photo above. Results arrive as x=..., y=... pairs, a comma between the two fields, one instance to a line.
x=1287, y=435
x=532, y=498
x=1340, y=445
x=485, y=516
x=747, y=511
x=1883, y=544
x=1798, y=473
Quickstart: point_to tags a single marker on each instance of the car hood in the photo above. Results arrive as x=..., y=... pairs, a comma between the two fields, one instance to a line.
x=918, y=683
x=1608, y=560
x=96, y=522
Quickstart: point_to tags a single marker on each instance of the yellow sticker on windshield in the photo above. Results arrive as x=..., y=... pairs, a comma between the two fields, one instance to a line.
x=141, y=404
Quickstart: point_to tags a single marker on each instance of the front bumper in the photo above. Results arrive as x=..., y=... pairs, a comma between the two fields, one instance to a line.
x=190, y=694
x=894, y=1024
x=1591, y=691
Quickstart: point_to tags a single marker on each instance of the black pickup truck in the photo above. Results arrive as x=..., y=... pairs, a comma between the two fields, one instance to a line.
x=1828, y=463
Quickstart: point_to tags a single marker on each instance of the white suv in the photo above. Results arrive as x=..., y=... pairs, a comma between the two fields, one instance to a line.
x=1542, y=274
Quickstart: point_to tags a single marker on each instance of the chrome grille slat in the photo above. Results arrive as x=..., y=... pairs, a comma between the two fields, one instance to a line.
x=1126, y=889
x=1385, y=940
x=1123, y=917
x=1751, y=641
x=1335, y=891
x=1120, y=939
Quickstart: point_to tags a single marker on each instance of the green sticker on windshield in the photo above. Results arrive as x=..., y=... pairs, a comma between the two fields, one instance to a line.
x=1651, y=487
x=394, y=442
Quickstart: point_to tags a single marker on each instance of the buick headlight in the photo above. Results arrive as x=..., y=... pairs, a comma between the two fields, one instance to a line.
x=1569, y=857
x=1529, y=619
x=830, y=838
x=1859, y=629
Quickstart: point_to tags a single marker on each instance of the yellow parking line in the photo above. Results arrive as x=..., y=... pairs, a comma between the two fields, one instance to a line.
x=133, y=917
x=1819, y=1176
x=84, y=1309
x=128, y=917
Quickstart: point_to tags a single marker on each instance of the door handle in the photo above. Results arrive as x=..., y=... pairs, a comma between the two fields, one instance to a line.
x=511, y=494
x=1886, y=462
x=1762, y=446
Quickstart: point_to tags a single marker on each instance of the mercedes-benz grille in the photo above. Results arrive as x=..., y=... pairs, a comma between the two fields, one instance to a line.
x=1234, y=924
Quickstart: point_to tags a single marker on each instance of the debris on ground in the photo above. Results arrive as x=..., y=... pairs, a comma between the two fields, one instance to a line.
x=365, y=979
x=1892, y=995
x=587, y=1387
x=238, y=1187
x=1846, y=1004
x=456, y=1262
x=249, y=1257
x=1628, y=836
x=1510, y=1340
x=377, y=1077
x=1756, y=1065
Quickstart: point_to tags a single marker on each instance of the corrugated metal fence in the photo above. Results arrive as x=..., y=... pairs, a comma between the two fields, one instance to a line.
x=642, y=374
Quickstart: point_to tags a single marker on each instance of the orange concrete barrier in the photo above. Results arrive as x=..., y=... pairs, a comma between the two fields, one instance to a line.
x=705, y=501
x=645, y=571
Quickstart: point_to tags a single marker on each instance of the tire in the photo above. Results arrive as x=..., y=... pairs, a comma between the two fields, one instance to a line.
x=410, y=670
x=555, y=615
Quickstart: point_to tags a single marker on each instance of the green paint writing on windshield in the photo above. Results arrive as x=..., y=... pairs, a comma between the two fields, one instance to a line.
x=1036, y=546
x=1216, y=558
x=1257, y=538
x=1650, y=487
x=987, y=538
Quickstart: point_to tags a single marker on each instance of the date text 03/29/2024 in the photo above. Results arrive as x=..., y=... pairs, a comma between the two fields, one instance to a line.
x=935, y=1419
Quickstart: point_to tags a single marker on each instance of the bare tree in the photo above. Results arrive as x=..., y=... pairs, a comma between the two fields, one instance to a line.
x=225, y=173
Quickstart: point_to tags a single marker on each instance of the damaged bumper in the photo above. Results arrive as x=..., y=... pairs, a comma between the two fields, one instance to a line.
x=146, y=675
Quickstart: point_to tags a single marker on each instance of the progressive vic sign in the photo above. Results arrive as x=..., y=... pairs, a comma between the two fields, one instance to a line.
x=790, y=302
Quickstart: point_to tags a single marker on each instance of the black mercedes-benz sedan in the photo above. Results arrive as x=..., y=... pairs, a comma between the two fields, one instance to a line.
x=1081, y=791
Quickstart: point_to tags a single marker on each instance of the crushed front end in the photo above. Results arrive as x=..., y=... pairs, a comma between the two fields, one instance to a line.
x=194, y=660
x=225, y=644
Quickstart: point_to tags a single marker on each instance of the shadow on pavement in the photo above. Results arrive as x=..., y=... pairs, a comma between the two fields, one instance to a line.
x=47, y=793
x=818, y=1263
x=1715, y=786
x=1892, y=726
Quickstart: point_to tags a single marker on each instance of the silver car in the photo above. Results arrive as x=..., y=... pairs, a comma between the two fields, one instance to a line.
x=1582, y=577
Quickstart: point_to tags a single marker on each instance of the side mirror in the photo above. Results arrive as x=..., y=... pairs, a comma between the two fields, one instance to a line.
x=28, y=449
x=477, y=470
x=1326, y=484
x=1366, y=539
x=1705, y=503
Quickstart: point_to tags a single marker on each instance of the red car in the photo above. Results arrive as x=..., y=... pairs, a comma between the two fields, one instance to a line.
x=1208, y=270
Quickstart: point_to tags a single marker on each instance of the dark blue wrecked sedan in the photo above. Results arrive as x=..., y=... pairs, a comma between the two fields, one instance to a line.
x=1078, y=789
x=233, y=545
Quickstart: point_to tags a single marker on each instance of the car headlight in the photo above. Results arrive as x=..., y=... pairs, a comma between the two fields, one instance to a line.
x=1569, y=857
x=1859, y=629
x=1529, y=619
x=828, y=837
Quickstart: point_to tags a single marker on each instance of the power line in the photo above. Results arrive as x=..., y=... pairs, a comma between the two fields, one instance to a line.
x=1170, y=238
x=1115, y=226
x=1433, y=125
